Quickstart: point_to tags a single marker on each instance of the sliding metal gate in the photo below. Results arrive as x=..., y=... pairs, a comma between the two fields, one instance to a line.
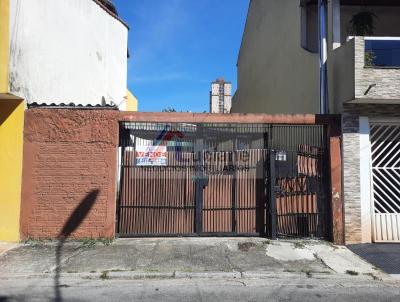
x=221, y=179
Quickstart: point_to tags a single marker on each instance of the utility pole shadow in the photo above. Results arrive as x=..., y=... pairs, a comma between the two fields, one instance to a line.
x=73, y=222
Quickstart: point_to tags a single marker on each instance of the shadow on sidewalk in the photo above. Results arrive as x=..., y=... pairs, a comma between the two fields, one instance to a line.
x=73, y=222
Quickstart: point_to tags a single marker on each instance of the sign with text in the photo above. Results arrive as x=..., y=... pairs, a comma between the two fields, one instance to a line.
x=151, y=155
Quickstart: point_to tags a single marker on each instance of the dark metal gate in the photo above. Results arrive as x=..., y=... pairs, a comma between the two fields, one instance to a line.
x=221, y=179
x=299, y=203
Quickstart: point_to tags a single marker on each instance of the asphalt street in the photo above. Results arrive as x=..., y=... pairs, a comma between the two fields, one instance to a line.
x=191, y=269
x=174, y=290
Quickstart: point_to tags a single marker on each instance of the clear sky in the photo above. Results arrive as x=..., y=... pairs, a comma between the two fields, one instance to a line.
x=178, y=47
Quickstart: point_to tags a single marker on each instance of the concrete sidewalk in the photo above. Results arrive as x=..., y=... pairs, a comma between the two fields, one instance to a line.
x=6, y=246
x=186, y=258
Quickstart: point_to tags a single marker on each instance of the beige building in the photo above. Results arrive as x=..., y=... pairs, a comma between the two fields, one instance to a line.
x=278, y=63
x=220, y=96
x=278, y=72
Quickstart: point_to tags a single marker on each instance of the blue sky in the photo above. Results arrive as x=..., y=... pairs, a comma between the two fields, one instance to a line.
x=178, y=47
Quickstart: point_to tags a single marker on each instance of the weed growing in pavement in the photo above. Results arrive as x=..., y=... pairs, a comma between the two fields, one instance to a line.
x=91, y=242
x=106, y=241
x=246, y=246
x=308, y=273
x=288, y=270
x=352, y=273
x=34, y=242
x=299, y=245
x=376, y=278
x=104, y=275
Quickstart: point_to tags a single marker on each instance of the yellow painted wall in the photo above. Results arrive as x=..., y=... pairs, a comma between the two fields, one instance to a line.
x=131, y=102
x=4, y=44
x=11, y=142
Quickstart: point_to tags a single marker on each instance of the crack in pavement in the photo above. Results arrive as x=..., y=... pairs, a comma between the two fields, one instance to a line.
x=65, y=260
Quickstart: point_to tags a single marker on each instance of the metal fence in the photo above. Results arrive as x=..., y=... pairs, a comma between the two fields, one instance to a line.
x=221, y=179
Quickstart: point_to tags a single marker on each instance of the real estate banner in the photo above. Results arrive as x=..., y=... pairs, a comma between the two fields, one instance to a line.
x=151, y=155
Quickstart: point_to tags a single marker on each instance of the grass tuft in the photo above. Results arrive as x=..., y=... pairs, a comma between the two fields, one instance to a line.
x=352, y=273
x=104, y=276
x=299, y=245
x=246, y=246
x=34, y=242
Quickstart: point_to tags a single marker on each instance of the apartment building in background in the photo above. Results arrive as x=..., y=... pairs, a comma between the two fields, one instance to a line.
x=220, y=96
x=279, y=73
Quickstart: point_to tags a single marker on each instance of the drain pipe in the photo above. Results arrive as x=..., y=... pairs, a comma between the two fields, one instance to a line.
x=323, y=56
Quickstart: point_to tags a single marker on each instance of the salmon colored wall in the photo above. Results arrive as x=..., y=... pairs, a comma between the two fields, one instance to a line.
x=69, y=174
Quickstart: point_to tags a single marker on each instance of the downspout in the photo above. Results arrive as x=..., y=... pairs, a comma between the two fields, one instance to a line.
x=323, y=56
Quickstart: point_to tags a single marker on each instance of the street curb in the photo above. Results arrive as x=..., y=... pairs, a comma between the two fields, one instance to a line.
x=135, y=275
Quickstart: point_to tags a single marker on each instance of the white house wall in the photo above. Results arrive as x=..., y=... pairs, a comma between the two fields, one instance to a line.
x=65, y=51
x=365, y=181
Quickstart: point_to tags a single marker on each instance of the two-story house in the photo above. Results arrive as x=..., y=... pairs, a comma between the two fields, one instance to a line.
x=279, y=72
x=54, y=53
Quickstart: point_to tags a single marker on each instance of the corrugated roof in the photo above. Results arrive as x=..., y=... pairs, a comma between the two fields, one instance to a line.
x=71, y=105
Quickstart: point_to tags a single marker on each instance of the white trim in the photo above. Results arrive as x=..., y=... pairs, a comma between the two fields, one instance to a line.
x=382, y=38
x=371, y=192
x=336, y=24
x=365, y=180
x=384, y=120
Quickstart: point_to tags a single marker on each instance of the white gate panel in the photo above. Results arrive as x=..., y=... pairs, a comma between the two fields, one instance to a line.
x=385, y=153
x=387, y=228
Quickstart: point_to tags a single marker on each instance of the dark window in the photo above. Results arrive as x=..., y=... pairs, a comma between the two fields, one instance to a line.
x=382, y=53
x=309, y=26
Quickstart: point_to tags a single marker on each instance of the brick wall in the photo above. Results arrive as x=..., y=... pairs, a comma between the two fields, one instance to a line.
x=69, y=168
x=351, y=177
x=387, y=80
x=69, y=173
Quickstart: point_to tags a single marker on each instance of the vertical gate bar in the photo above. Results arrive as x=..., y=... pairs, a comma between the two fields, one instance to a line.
x=199, y=198
x=272, y=209
x=121, y=181
x=263, y=199
x=199, y=179
x=234, y=224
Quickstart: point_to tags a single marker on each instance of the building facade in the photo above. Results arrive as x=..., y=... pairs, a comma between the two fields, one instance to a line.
x=54, y=53
x=278, y=72
x=56, y=61
x=220, y=96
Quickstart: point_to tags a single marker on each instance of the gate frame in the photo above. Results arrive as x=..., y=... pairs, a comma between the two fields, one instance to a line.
x=390, y=121
x=332, y=122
